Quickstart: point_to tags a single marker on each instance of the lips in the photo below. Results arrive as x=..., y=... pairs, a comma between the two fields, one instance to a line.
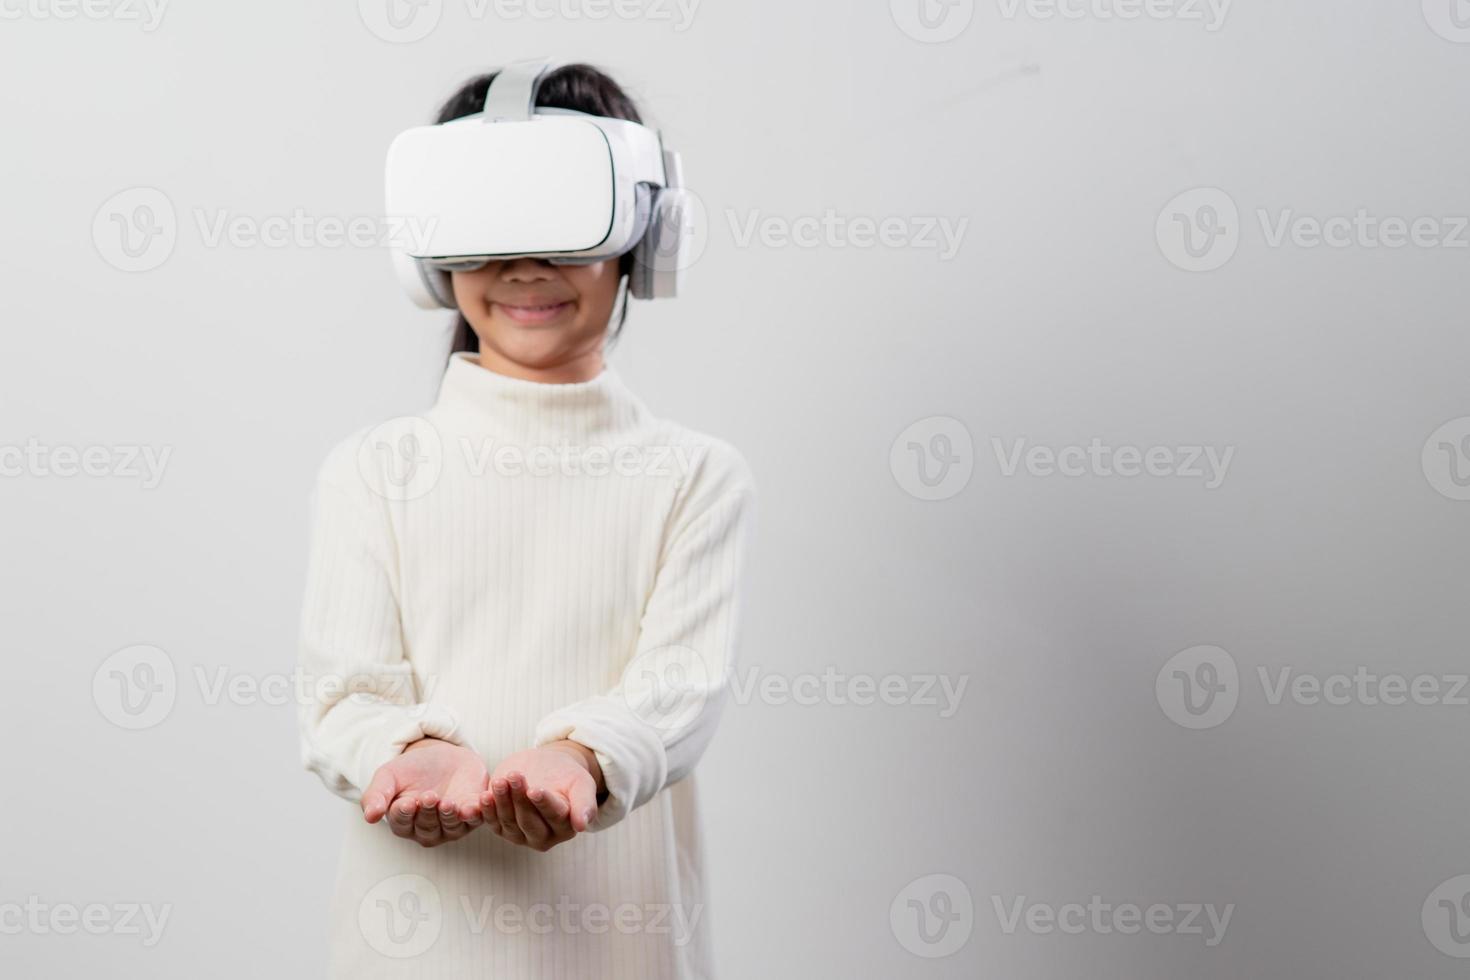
x=534, y=312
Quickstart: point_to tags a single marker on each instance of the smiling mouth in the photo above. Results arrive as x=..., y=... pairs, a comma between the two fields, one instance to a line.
x=540, y=313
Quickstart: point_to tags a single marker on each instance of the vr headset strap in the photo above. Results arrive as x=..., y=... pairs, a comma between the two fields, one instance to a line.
x=512, y=93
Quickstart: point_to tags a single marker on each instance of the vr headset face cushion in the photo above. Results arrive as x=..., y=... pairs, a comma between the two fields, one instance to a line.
x=439, y=285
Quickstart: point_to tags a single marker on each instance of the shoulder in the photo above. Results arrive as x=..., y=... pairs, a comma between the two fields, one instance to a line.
x=359, y=462
x=715, y=481
x=710, y=466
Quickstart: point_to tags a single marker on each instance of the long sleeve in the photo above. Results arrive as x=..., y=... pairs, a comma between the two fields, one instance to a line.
x=362, y=705
x=653, y=726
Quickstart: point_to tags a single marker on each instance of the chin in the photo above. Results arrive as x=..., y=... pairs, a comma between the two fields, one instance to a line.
x=533, y=348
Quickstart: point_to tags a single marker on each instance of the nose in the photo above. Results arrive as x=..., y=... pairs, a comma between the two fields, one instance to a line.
x=526, y=270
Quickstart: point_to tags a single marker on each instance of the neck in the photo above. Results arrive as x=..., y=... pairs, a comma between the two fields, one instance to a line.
x=520, y=410
x=580, y=367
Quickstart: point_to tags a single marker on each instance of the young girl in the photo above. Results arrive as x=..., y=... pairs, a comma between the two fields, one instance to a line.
x=520, y=620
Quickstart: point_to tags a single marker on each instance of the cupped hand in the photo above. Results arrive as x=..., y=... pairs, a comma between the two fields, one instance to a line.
x=430, y=792
x=543, y=797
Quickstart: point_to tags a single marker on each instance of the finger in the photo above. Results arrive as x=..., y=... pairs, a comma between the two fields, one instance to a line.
x=379, y=794
x=487, y=812
x=450, y=819
x=527, y=816
x=554, y=810
x=469, y=813
x=505, y=811
x=428, y=815
x=401, y=814
x=487, y=806
x=426, y=827
x=583, y=805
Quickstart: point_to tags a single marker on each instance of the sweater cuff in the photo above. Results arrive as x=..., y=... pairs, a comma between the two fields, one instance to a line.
x=629, y=750
x=374, y=732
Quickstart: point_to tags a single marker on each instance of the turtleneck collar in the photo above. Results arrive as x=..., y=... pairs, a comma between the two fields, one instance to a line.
x=519, y=409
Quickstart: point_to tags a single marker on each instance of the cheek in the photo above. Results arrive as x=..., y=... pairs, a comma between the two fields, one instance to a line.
x=468, y=289
x=472, y=293
x=599, y=288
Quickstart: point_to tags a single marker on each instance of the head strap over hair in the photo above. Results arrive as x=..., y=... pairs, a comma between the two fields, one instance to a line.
x=512, y=93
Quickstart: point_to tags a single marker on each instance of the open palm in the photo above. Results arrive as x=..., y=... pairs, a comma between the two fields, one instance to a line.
x=541, y=797
x=430, y=793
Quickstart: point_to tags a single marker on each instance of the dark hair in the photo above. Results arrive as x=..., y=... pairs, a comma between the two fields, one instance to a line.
x=576, y=86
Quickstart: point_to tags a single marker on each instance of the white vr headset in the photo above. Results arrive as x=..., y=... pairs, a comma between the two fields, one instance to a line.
x=518, y=180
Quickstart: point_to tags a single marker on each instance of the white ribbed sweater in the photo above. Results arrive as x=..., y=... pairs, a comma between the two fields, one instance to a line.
x=525, y=562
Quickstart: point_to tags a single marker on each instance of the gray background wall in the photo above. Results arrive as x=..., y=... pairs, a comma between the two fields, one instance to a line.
x=1069, y=311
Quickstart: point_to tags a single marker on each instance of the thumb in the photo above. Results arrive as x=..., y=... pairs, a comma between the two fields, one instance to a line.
x=379, y=794
x=583, y=799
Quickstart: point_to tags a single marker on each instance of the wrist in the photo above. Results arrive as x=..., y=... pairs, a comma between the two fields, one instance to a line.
x=422, y=742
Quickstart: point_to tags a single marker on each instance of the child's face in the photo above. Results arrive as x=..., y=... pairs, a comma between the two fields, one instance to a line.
x=537, y=314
